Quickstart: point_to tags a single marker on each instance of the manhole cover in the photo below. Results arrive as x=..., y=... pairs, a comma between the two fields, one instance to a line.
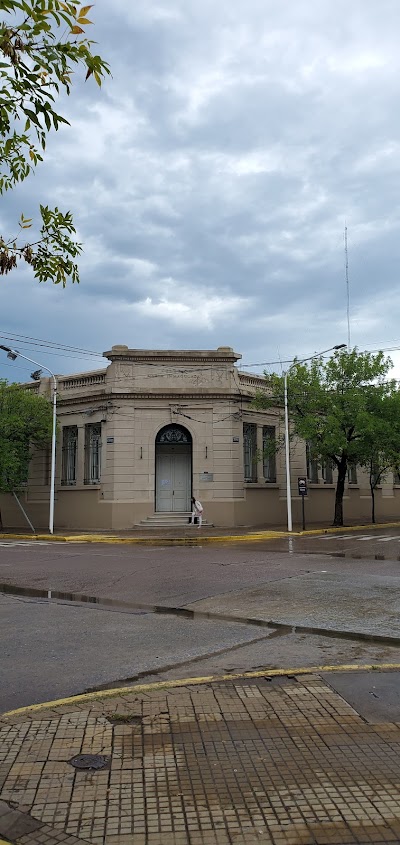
x=89, y=761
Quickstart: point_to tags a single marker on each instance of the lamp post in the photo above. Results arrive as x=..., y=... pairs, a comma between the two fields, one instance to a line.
x=287, y=450
x=13, y=354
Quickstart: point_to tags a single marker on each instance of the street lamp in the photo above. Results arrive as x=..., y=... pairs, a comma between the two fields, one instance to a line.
x=13, y=354
x=287, y=451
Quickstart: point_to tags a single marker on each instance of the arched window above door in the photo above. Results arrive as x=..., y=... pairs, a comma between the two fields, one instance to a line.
x=173, y=435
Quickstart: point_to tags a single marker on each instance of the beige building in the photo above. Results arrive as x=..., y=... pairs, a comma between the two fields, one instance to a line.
x=137, y=439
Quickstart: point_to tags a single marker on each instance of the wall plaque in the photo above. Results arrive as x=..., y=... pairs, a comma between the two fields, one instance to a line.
x=206, y=476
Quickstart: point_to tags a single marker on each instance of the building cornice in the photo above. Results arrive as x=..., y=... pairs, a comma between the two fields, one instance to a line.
x=224, y=354
x=174, y=398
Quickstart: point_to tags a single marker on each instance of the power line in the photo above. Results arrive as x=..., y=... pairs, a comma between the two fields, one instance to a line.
x=36, y=341
x=291, y=360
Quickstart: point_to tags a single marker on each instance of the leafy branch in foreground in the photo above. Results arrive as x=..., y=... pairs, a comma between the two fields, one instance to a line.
x=51, y=256
x=41, y=41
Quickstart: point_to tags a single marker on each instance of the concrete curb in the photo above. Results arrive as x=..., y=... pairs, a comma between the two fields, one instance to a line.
x=146, y=541
x=195, y=540
x=207, y=679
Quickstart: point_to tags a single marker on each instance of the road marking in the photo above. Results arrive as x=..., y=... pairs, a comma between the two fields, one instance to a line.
x=386, y=539
x=24, y=543
x=346, y=537
x=382, y=539
x=363, y=539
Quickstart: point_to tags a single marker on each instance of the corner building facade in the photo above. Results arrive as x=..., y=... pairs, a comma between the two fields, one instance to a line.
x=137, y=439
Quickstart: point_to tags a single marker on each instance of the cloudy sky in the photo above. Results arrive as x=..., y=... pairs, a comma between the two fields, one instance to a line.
x=211, y=180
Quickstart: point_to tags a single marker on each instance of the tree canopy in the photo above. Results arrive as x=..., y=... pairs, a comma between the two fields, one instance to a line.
x=382, y=442
x=340, y=407
x=25, y=424
x=41, y=41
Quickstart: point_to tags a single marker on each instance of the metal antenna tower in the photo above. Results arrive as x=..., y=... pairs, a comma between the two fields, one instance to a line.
x=346, y=252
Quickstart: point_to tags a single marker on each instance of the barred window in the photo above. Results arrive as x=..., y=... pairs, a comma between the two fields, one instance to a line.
x=47, y=466
x=312, y=465
x=327, y=472
x=69, y=454
x=92, y=453
x=250, y=451
x=352, y=474
x=269, y=453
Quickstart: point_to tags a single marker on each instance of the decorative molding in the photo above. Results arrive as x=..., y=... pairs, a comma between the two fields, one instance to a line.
x=173, y=434
x=133, y=396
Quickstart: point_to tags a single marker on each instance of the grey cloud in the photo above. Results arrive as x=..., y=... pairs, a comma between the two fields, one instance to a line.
x=221, y=163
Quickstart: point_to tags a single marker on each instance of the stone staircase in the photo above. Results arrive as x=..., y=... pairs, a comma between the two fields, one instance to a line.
x=169, y=520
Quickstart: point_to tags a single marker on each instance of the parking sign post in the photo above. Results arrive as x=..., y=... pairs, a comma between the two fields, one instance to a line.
x=302, y=486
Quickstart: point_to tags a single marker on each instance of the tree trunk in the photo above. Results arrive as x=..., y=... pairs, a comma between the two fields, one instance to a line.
x=342, y=469
x=372, y=502
x=1, y=521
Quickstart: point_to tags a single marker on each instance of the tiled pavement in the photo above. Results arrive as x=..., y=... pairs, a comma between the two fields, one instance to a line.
x=282, y=761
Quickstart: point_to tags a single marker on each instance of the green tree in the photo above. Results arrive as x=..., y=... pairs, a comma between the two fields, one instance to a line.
x=41, y=41
x=25, y=425
x=336, y=406
x=382, y=442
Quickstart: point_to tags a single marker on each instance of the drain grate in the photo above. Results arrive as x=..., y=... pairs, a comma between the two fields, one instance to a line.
x=89, y=761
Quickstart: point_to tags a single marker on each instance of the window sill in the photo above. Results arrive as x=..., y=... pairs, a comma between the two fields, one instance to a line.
x=261, y=485
x=81, y=487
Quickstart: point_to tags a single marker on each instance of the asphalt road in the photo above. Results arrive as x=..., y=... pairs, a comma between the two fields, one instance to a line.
x=52, y=648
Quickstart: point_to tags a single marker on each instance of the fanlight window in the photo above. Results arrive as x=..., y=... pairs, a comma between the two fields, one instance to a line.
x=173, y=435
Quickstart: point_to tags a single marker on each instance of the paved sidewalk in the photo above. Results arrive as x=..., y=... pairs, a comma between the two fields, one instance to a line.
x=279, y=760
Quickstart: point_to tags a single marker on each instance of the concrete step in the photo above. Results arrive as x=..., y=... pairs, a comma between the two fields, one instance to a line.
x=167, y=515
x=169, y=520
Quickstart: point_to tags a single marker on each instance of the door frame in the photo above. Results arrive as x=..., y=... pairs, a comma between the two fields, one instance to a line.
x=173, y=434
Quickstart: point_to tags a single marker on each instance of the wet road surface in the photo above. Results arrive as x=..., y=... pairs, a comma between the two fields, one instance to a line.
x=56, y=645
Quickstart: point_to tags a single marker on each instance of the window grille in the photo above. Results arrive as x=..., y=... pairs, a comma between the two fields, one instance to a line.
x=269, y=457
x=312, y=465
x=327, y=472
x=47, y=466
x=92, y=453
x=250, y=451
x=69, y=454
x=352, y=474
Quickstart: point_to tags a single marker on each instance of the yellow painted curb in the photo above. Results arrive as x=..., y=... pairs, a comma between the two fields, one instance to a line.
x=190, y=541
x=195, y=540
x=207, y=679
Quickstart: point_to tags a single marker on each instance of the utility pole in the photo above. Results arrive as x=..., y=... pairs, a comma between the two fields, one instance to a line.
x=346, y=253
